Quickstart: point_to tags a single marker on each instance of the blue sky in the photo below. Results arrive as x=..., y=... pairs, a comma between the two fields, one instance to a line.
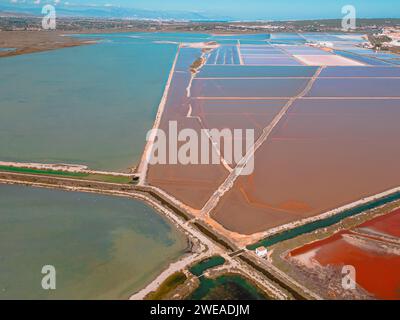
x=249, y=9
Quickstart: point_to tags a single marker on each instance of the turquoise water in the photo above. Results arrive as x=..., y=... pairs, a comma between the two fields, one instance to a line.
x=90, y=104
x=202, y=266
x=96, y=244
x=227, y=287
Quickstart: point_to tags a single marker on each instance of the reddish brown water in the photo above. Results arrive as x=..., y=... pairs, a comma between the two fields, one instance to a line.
x=191, y=184
x=377, y=272
x=322, y=155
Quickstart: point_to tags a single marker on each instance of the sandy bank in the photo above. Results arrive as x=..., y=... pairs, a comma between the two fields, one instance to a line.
x=36, y=41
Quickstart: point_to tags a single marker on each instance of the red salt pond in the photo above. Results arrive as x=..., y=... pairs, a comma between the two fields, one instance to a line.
x=377, y=270
x=388, y=224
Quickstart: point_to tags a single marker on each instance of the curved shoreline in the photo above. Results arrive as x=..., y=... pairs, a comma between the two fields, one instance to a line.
x=173, y=267
x=190, y=232
x=27, y=42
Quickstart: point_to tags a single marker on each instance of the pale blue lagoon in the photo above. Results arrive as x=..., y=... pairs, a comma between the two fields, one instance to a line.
x=90, y=105
x=101, y=247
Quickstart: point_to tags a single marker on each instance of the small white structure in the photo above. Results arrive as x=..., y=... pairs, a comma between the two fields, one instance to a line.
x=325, y=44
x=321, y=44
x=261, y=252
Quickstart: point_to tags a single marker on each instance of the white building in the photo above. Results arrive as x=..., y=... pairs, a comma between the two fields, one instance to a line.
x=261, y=252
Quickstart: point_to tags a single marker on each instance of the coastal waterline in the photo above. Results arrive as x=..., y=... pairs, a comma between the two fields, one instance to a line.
x=96, y=244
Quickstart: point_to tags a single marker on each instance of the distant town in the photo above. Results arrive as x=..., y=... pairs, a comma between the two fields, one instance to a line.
x=17, y=22
x=384, y=34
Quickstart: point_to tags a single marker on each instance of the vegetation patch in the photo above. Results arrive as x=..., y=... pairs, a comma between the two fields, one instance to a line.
x=170, y=284
x=378, y=41
x=70, y=175
x=197, y=64
x=109, y=178
x=42, y=171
